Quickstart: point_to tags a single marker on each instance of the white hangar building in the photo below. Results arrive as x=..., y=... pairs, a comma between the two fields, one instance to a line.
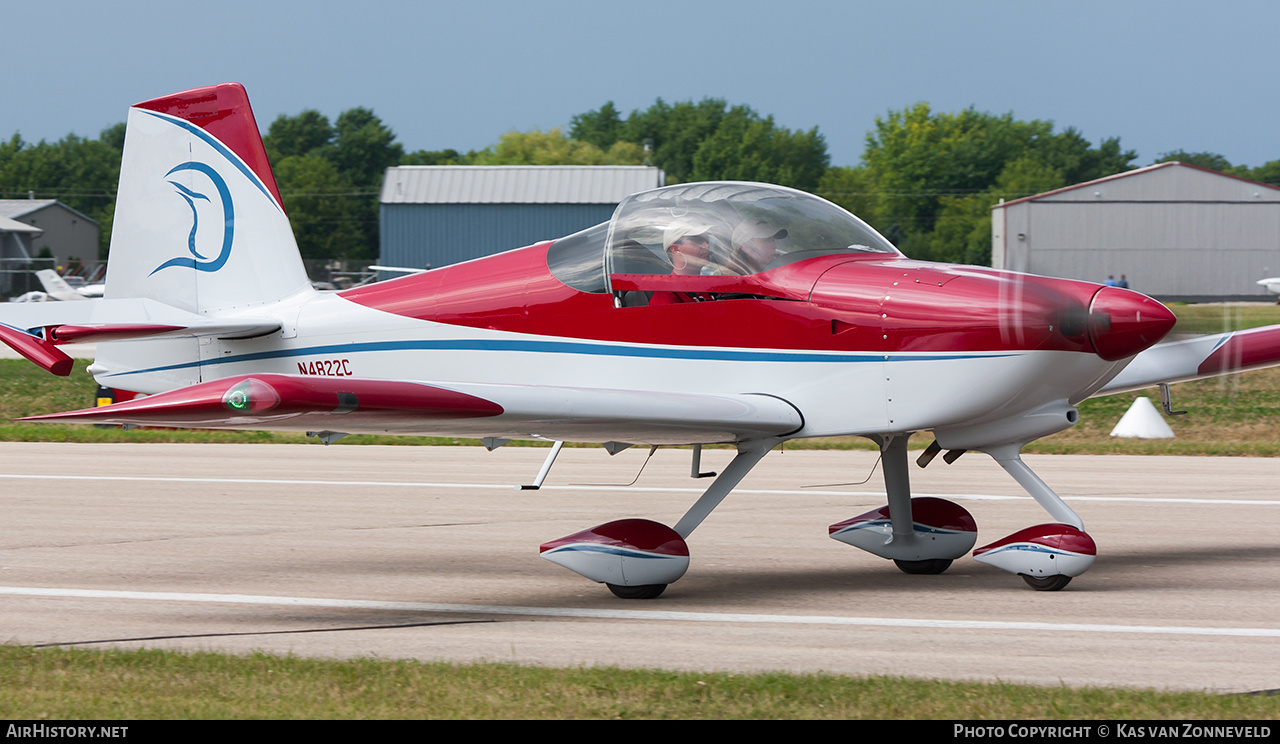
x=1177, y=232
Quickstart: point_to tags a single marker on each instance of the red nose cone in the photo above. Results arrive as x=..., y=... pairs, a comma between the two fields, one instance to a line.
x=1123, y=323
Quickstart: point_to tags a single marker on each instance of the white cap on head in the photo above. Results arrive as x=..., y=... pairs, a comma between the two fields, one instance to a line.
x=680, y=229
x=752, y=229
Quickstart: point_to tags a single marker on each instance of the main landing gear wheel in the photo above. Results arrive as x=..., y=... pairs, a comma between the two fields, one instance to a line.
x=930, y=566
x=1046, y=583
x=647, y=591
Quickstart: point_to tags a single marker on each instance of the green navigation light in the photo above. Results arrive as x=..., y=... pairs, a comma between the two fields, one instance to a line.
x=250, y=396
x=238, y=400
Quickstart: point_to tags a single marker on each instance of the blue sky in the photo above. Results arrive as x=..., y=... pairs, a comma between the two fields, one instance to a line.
x=1161, y=76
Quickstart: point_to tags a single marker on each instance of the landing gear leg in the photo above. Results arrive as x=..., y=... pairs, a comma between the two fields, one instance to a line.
x=749, y=453
x=1009, y=457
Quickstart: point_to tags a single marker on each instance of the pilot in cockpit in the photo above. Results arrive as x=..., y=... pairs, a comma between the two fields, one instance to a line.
x=755, y=245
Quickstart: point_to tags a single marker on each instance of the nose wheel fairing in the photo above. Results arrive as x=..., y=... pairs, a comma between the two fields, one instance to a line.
x=1047, y=556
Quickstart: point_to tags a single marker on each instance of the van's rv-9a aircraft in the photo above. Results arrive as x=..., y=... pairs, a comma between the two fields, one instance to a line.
x=729, y=313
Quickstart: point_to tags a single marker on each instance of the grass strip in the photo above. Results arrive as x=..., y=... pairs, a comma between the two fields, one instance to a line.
x=65, y=684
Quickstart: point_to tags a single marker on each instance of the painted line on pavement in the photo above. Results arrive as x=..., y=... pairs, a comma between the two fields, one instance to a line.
x=632, y=489
x=638, y=615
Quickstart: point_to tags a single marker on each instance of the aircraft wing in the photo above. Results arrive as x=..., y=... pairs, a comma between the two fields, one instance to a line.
x=1198, y=358
x=368, y=406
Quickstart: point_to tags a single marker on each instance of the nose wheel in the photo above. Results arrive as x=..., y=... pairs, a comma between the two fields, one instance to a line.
x=930, y=566
x=647, y=591
x=1046, y=583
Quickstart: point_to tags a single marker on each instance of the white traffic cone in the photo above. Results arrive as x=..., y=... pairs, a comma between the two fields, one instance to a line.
x=1143, y=421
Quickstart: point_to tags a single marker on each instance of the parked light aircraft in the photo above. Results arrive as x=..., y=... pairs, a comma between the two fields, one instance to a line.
x=58, y=288
x=736, y=313
x=34, y=295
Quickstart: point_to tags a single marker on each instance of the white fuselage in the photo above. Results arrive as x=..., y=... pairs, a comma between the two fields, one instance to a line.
x=837, y=392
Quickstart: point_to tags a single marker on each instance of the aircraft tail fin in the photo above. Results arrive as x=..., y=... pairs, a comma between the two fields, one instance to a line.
x=199, y=223
x=57, y=287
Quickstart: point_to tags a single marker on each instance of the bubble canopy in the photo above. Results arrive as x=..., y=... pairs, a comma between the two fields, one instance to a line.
x=710, y=229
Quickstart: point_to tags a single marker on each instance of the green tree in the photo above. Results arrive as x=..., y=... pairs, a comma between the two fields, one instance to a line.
x=917, y=157
x=1268, y=173
x=851, y=188
x=81, y=173
x=554, y=148
x=113, y=137
x=962, y=233
x=438, y=157
x=745, y=147
x=937, y=175
x=307, y=132
x=709, y=140
x=1210, y=160
x=363, y=148
x=329, y=177
x=675, y=131
x=1028, y=175
x=1078, y=161
x=325, y=223
x=601, y=128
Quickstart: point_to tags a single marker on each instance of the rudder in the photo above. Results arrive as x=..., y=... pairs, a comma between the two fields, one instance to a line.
x=199, y=223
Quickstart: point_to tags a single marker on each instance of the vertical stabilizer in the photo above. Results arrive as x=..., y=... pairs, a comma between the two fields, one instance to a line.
x=57, y=287
x=199, y=223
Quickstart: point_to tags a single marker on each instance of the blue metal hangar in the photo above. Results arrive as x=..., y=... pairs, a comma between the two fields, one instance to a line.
x=436, y=215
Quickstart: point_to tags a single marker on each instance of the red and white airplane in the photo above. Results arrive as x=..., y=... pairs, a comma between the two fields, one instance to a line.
x=734, y=313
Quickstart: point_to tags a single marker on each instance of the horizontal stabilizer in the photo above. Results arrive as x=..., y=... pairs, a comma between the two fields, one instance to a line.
x=35, y=330
x=121, y=312
x=37, y=350
x=83, y=334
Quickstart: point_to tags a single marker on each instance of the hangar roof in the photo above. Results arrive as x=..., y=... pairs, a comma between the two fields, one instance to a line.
x=15, y=208
x=1171, y=181
x=517, y=184
x=13, y=226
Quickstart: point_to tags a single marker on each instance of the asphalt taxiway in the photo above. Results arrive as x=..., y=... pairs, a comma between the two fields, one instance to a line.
x=431, y=553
